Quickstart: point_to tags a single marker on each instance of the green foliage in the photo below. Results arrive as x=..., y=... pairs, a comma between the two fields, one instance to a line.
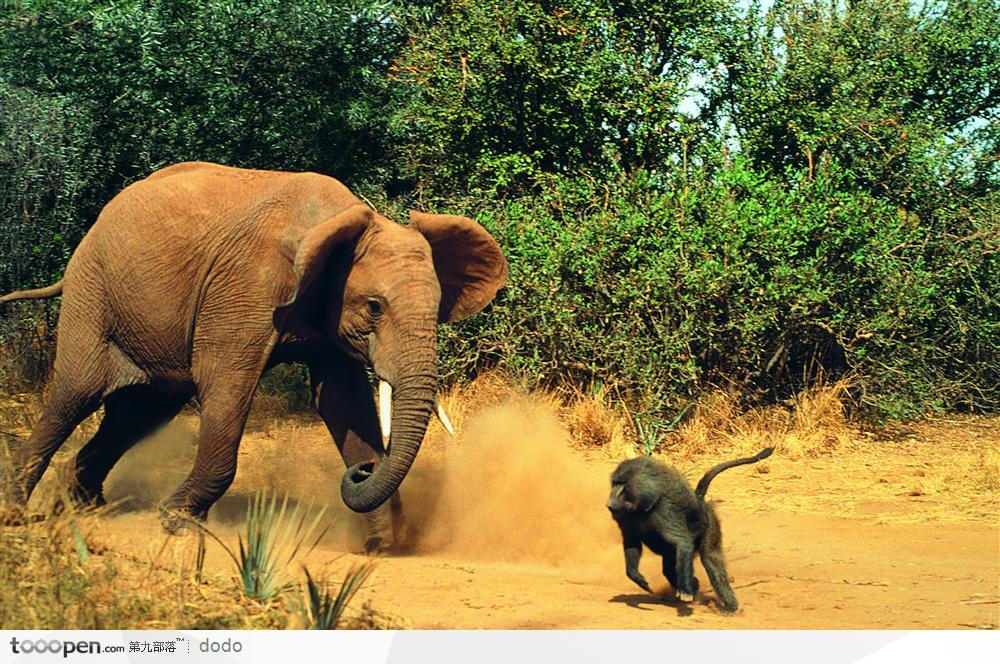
x=649, y=433
x=669, y=288
x=43, y=171
x=274, y=536
x=289, y=385
x=689, y=193
x=898, y=94
x=500, y=93
x=100, y=94
x=323, y=611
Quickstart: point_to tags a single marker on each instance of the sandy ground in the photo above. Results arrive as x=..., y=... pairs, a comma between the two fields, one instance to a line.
x=507, y=527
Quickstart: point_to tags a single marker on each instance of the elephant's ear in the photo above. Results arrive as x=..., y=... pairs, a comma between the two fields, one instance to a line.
x=311, y=247
x=468, y=262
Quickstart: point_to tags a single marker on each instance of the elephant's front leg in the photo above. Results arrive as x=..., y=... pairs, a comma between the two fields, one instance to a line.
x=225, y=404
x=343, y=396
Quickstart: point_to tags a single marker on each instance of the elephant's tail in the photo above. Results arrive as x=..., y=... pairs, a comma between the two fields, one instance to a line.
x=36, y=294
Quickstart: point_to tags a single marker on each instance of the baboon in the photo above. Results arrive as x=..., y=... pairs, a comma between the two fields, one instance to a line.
x=653, y=505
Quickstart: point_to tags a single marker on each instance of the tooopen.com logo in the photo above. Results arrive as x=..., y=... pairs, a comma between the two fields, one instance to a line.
x=54, y=647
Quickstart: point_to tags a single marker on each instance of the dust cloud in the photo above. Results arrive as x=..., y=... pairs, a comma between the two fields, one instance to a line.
x=151, y=470
x=509, y=487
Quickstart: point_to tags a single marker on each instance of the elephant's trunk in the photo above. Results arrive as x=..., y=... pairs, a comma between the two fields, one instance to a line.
x=363, y=488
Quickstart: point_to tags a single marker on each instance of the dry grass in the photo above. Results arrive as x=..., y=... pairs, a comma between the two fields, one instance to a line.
x=594, y=423
x=59, y=573
x=27, y=344
x=814, y=424
x=62, y=573
x=966, y=470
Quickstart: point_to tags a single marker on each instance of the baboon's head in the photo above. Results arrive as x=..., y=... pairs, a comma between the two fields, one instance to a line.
x=633, y=488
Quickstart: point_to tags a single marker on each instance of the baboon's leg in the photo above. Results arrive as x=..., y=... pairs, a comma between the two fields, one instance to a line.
x=225, y=404
x=672, y=527
x=670, y=569
x=670, y=566
x=715, y=566
x=129, y=416
x=633, y=552
x=685, y=571
x=678, y=537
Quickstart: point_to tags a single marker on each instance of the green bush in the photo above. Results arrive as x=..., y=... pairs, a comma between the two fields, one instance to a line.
x=901, y=93
x=96, y=95
x=497, y=93
x=668, y=288
x=44, y=170
x=689, y=193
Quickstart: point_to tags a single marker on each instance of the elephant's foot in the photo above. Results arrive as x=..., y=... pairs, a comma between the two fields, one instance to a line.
x=379, y=533
x=82, y=496
x=177, y=519
x=376, y=545
x=76, y=499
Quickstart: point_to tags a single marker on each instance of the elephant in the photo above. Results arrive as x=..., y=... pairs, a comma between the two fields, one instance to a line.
x=196, y=280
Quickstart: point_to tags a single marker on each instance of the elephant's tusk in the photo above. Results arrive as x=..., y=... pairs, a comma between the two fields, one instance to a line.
x=443, y=416
x=385, y=407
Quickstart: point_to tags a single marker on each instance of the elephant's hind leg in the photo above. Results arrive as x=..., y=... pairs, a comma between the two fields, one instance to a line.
x=130, y=415
x=72, y=398
x=81, y=377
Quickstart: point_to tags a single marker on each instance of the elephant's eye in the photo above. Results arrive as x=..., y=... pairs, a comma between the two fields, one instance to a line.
x=375, y=308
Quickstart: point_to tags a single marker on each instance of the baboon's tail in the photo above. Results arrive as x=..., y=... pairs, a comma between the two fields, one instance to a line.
x=36, y=294
x=702, y=488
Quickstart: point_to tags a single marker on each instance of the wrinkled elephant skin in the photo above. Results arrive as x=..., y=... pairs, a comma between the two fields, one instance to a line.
x=196, y=280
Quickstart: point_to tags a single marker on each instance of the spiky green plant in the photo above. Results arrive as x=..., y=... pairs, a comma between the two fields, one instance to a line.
x=649, y=433
x=274, y=536
x=651, y=430
x=680, y=415
x=323, y=611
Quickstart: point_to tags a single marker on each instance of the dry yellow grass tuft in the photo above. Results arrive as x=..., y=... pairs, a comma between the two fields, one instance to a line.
x=814, y=424
x=593, y=423
x=973, y=471
x=62, y=573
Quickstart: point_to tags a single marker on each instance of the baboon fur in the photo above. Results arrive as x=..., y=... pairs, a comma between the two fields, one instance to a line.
x=654, y=505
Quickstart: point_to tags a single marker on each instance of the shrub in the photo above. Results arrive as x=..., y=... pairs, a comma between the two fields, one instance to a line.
x=495, y=94
x=321, y=610
x=733, y=278
x=275, y=535
x=853, y=230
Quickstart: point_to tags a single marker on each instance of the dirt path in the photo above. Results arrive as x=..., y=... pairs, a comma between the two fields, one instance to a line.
x=790, y=571
x=899, y=534
x=899, y=529
x=825, y=573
